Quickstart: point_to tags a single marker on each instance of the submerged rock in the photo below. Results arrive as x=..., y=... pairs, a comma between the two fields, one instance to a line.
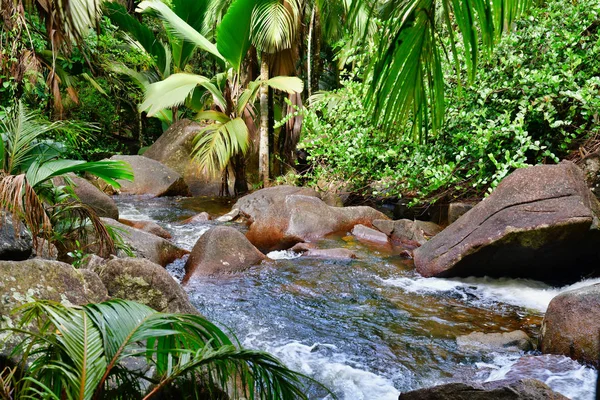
x=152, y=178
x=498, y=342
x=541, y=223
x=309, y=250
x=362, y=232
x=145, y=282
x=526, y=389
x=221, y=250
x=571, y=326
x=281, y=217
x=147, y=245
x=408, y=232
x=202, y=217
x=148, y=226
x=174, y=149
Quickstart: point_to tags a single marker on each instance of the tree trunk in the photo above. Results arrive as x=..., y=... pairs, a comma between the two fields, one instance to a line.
x=263, y=147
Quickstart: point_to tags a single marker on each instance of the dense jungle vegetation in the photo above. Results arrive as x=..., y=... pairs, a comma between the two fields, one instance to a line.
x=420, y=100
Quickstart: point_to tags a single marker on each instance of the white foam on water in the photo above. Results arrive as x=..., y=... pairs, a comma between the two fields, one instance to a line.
x=575, y=381
x=525, y=293
x=283, y=255
x=347, y=379
x=132, y=213
x=187, y=235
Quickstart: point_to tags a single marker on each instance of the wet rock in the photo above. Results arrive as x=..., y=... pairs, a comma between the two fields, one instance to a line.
x=202, y=217
x=256, y=204
x=91, y=196
x=540, y=223
x=221, y=250
x=152, y=178
x=457, y=210
x=147, y=245
x=145, y=282
x=362, y=232
x=281, y=217
x=526, y=389
x=22, y=282
x=309, y=250
x=408, y=232
x=571, y=326
x=498, y=342
x=230, y=216
x=148, y=226
x=590, y=165
x=14, y=246
x=174, y=149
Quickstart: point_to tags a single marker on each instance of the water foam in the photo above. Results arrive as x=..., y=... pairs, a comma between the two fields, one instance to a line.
x=347, y=379
x=567, y=376
x=283, y=255
x=524, y=293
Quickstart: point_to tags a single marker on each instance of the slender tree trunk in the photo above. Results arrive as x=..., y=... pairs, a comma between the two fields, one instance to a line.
x=309, y=56
x=263, y=147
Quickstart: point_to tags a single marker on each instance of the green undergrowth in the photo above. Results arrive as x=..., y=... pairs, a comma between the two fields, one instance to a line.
x=534, y=101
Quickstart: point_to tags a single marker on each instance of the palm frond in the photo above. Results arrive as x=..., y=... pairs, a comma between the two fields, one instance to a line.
x=178, y=26
x=175, y=90
x=407, y=79
x=140, y=33
x=217, y=143
x=233, y=33
x=274, y=24
x=288, y=84
x=107, y=170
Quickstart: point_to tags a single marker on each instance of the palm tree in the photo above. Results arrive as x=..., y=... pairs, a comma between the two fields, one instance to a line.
x=82, y=353
x=229, y=133
x=406, y=74
x=27, y=166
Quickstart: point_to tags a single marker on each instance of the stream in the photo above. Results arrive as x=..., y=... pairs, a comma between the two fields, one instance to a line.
x=369, y=328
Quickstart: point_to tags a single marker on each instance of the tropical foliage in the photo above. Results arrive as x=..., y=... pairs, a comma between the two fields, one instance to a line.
x=534, y=101
x=28, y=163
x=86, y=353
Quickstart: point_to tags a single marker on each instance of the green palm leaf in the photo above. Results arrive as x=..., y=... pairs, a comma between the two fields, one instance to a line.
x=217, y=143
x=274, y=24
x=108, y=170
x=407, y=79
x=233, y=34
x=140, y=32
x=175, y=90
x=178, y=26
x=288, y=84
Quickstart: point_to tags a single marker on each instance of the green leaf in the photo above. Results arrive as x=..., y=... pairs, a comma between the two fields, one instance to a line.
x=233, y=34
x=288, y=84
x=108, y=170
x=178, y=26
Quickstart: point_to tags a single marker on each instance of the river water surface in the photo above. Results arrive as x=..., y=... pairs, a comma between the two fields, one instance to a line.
x=368, y=328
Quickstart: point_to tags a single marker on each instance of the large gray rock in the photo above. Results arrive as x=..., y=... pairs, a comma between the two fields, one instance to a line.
x=221, y=250
x=174, y=149
x=283, y=216
x=90, y=195
x=541, y=223
x=22, y=282
x=152, y=178
x=147, y=245
x=526, y=389
x=571, y=326
x=145, y=282
x=17, y=245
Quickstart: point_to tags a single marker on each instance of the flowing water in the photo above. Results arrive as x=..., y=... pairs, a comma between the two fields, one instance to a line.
x=368, y=328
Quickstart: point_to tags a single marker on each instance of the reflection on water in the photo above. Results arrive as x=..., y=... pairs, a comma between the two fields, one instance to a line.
x=368, y=328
